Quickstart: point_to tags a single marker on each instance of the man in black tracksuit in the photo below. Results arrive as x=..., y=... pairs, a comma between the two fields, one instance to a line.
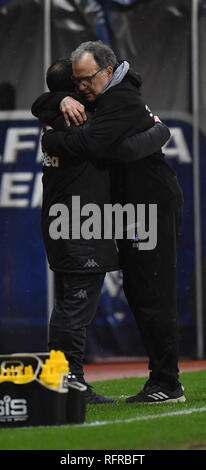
x=79, y=265
x=149, y=278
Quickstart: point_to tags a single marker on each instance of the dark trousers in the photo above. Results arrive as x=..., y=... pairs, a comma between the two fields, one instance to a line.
x=76, y=299
x=149, y=282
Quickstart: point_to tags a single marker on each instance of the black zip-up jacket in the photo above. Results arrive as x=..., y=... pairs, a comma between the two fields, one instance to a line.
x=72, y=182
x=120, y=113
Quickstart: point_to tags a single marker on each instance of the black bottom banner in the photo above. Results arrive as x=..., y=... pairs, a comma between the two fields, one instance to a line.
x=95, y=458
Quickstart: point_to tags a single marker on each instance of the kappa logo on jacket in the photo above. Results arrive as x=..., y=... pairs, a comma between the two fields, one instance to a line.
x=90, y=263
x=50, y=161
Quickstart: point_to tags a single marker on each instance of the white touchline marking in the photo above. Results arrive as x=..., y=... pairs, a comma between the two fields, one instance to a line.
x=147, y=418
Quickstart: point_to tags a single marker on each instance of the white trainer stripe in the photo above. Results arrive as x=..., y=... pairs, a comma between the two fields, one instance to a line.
x=163, y=395
x=158, y=396
x=154, y=396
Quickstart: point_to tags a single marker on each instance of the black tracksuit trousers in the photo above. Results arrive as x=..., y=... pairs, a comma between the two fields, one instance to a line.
x=76, y=299
x=149, y=282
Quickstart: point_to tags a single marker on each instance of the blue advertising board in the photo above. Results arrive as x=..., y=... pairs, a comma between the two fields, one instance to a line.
x=23, y=299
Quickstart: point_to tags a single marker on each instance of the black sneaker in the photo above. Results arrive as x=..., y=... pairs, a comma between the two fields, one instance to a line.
x=93, y=398
x=154, y=393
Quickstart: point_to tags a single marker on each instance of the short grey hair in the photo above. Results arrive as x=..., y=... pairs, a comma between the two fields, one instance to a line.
x=103, y=55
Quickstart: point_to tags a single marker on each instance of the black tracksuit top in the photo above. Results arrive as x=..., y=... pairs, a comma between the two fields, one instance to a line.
x=63, y=178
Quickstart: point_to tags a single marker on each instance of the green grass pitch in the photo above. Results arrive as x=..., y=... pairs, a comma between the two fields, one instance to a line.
x=125, y=426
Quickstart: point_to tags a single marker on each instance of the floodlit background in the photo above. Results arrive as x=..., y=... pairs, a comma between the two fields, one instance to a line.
x=164, y=40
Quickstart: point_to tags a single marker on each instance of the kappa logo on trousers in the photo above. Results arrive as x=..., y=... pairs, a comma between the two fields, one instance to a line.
x=81, y=294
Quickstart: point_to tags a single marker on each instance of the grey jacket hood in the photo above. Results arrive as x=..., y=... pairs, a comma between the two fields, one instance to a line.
x=118, y=76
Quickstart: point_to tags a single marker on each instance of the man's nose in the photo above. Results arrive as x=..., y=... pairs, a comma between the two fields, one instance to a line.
x=82, y=86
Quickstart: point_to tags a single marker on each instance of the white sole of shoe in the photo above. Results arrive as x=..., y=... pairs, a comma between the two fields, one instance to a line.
x=181, y=399
x=170, y=400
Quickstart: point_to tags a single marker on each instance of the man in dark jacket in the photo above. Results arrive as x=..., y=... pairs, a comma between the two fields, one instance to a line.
x=79, y=264
x=149, y=277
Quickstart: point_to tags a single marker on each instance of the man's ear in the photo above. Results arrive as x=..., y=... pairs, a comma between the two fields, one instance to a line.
x=110, y=71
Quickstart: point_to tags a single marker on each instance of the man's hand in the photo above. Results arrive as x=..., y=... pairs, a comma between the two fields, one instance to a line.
x=73, y=110
x=47, y=128
x=157, y=119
